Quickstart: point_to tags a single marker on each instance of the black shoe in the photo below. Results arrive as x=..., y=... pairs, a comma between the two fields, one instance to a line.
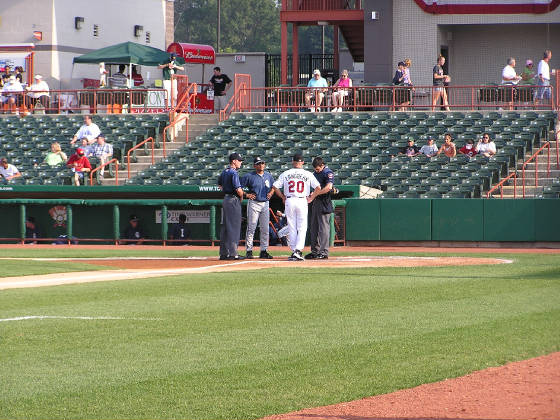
x=311, y=256
x=223, y=257
x=249, y=255
x=265, y=255
x=322, y=257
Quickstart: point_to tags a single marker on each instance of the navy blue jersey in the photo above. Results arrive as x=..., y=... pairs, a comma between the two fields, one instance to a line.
x=181, y=231
x=260, y=185
x=326, y=176
x=229, y=180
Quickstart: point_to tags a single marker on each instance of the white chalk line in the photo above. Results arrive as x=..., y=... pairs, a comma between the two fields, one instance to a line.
x=94, y=318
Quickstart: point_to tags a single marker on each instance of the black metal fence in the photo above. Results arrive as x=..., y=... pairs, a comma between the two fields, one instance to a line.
x=307, y=63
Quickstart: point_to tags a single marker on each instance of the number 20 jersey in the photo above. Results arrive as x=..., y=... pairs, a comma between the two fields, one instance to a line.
x=297, y=182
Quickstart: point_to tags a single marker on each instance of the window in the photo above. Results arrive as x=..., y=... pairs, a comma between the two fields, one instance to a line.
x=95, y=30
x=148, y=36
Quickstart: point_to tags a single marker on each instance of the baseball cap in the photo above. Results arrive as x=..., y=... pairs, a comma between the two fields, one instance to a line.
x=258, y=160
x=235, y=156
x=528, y=62
x=316, y=71
x=80, y=151
x=297, y=158
x=133, y=218
x=410, y=140
x=401, y=63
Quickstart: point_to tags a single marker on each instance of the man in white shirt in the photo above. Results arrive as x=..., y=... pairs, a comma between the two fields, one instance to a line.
x=8, y=171
x=509, y=76
x=38, y=91
x=543, y=78
x=12, y=93
x=297, y=184
x=89, y=130
x=430, y=149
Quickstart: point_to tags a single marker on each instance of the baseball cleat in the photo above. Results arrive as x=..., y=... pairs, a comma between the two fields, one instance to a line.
x=235, y=258
x=249, y=255
x=298, y=255
x=322, y=257
x=311, y=256
x=265, y=255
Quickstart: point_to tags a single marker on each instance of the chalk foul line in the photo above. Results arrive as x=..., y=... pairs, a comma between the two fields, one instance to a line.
x=110, y=318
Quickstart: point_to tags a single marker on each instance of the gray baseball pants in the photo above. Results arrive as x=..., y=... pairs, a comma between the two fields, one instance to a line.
x=231, y=226
x=257, y=212
x=320, y=229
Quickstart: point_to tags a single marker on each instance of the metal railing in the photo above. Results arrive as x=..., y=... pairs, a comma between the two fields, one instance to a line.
x=391, y=98
x=151, y=139
x=241, y=99
x=108, y=101
x=99, y=168
x=535, y=157
x=500, y=185
x=313, y=5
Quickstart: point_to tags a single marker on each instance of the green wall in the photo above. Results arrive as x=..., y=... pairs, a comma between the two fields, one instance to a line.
x=527, y=220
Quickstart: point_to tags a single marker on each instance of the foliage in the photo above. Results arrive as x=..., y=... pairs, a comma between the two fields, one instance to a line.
x=246, y=25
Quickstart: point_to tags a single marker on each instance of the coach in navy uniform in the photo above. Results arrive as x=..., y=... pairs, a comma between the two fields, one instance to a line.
x=321, y=210
x=260, y=188
x=231, y=209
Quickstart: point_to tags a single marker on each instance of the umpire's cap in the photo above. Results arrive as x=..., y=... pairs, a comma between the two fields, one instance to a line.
x=298, y=157
x=235, y=156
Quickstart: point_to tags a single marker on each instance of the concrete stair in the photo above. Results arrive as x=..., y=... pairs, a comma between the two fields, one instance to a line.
x=198, y=124
x=544, y=179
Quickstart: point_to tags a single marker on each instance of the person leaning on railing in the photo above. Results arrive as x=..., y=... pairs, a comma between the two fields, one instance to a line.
x=38, y=92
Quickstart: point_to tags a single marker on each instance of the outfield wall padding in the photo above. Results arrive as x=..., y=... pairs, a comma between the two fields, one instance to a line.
x=522, y=220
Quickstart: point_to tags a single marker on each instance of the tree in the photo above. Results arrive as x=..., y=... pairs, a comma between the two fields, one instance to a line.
x=246, y=25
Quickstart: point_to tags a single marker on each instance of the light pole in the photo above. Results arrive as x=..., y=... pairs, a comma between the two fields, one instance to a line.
x=218, y=28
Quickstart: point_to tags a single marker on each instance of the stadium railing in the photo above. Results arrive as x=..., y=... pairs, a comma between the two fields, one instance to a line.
x=501, y=184
x=142, y=143
x=535, y=157
x=390, y=98
x=106, y=164
x=103, y=101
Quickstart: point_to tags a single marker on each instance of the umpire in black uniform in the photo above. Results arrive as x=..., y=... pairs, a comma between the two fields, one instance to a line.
x=321, y=209
x=231, y=209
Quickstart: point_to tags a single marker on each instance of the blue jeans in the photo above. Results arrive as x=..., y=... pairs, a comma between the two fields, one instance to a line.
x=543, y=91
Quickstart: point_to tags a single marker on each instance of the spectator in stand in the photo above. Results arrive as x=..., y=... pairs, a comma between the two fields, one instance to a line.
x=430, y=149
x=341, y=90
x=169, y=69
x=543, y=78
x=485, y=146
x=18, y=72
x=181, y=231
x=31, y=231
x=6, y=74
x=104, y=152
x=12, y=94
x=119, y=79
x=89, y=131
x=509, y=76
x=410, y=150
x=38, y=92
x=133, y=234
x=448, y=147
x=407, y=64
x=401, y=95
x=88, y=150
x=221, y=84
x=137, y=77
x=528, y=74
x=319, y=86
x=102, y=75
x=56, y=156
x=468, y=149
x=8, y=171
x=79, y=164
x=439, y=80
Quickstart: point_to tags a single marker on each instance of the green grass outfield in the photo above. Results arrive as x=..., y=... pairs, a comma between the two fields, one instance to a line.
x=247, y=344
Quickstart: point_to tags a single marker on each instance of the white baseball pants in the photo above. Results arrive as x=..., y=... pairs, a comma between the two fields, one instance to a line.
x=296, y=215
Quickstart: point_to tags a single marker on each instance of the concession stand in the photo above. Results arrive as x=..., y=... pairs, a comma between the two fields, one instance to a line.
x=196, y=54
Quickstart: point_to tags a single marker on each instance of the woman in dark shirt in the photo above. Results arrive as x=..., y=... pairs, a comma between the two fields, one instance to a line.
x=439, y=80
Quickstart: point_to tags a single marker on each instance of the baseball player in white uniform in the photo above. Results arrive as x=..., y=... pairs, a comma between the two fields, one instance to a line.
x=296, y=184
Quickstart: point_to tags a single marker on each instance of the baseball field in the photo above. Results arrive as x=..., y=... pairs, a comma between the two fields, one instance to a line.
x=173, y=333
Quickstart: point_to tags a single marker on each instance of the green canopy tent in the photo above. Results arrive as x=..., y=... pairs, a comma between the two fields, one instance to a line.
x=127, y=53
